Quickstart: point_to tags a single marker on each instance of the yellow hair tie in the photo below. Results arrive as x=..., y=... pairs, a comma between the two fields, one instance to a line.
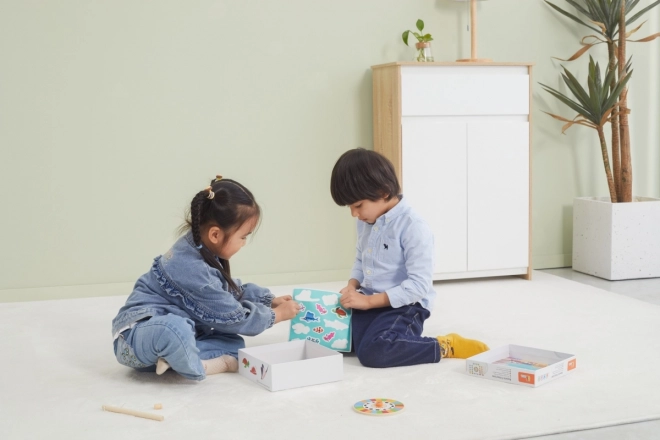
x=218, y=177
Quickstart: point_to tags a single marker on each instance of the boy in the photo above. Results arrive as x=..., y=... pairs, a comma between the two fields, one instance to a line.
x=391, y=286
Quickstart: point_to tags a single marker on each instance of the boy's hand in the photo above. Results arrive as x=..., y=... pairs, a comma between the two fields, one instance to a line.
x=286, y=310
x=347, y=289
x=280, y=300
x=352, y=299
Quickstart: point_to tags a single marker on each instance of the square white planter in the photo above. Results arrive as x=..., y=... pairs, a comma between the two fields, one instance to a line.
x=616, y=241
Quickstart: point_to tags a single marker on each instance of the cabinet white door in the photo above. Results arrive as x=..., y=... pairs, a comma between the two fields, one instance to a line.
x=434, y=173
x=498, y=195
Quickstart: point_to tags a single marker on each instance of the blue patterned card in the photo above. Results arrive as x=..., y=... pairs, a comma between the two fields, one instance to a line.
x=321, y=319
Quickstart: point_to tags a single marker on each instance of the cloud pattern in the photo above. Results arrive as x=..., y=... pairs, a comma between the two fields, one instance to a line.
x=335, y=324
x=340, y=344
x=305, y=295
x=300, y=329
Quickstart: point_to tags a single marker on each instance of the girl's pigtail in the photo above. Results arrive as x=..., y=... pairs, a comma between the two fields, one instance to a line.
x=195, y=217
x=197, y=213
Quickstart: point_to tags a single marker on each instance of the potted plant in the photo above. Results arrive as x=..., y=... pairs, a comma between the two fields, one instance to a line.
x=423, y=45
x=612, y=239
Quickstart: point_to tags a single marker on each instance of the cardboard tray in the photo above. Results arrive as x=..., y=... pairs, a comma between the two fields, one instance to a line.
x=520, y=365
x=291, y=364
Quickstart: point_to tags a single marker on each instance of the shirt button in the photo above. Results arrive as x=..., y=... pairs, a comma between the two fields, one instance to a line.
x=375, y=228
x=369, y=250
x=369, y=272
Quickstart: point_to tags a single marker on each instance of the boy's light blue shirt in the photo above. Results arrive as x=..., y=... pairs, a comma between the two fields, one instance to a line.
x=395, y=255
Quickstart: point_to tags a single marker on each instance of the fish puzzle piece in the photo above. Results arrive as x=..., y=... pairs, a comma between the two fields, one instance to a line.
x=341, y=313
x=310, y=317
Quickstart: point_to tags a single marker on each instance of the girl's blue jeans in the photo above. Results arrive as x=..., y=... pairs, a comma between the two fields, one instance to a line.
x=174, y=339
x=389, y=337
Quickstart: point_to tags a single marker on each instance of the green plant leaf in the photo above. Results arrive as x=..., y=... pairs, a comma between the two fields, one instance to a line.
x=572, y=17
x=630, y=5
x=642, y=12
x=614, y=97
x=584, y=103
x=575, y=87
x=611, y=14
x=427, y=38
x=628, y=64
x=405, y=37
x=594, y=11
x=566, y=100
x=605, y=11
x=578, y=7
x=594, y=95
x=610, y=80
x=420, y=25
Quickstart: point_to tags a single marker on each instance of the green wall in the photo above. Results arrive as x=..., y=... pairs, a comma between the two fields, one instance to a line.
x=114, y=113
x=570, y=165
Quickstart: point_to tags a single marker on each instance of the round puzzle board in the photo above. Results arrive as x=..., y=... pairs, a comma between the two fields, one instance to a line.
x=378, y=407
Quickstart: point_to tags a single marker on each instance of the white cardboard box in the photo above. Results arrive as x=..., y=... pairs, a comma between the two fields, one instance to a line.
x=526, y=366
x=290, y=365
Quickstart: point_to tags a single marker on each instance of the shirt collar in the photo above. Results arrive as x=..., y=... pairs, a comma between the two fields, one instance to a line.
x=396, y=211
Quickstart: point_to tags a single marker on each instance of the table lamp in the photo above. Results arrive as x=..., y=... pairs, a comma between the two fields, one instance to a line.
x=473, y=35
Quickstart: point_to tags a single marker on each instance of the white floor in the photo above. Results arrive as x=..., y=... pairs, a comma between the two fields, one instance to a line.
x=647, y=290
x=63, y=387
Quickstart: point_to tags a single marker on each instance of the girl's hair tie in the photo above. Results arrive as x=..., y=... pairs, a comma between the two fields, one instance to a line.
x=218, y=178
x=211, y=193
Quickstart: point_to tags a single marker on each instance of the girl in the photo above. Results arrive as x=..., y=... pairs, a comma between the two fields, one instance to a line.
x=187, y=312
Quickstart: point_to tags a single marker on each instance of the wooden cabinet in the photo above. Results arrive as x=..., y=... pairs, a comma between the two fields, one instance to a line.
x=459, y=138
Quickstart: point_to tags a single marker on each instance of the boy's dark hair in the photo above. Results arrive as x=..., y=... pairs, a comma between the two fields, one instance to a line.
x=361, y=174
x=232, y=205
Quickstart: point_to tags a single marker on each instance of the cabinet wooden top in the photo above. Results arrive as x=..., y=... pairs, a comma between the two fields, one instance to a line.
x=453, y=63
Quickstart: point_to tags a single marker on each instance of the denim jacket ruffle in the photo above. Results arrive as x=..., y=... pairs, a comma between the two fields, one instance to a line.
x=182, y=283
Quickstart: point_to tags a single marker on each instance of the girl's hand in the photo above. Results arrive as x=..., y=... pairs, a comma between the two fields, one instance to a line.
x=280, y=300
x=286, y=310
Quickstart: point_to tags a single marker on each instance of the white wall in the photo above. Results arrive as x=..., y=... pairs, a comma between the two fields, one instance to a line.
x=114, y=113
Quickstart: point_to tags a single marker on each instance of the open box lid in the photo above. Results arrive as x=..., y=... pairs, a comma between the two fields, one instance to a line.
x=293, y=351
x=535, y=355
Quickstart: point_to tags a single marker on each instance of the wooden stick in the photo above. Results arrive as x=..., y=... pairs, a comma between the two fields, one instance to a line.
x=473, y=29
x=132, y=412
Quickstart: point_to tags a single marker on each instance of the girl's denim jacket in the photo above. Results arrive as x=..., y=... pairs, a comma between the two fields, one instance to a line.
x=182, y=283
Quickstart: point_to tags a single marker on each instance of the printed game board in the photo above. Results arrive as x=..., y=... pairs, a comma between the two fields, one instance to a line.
x=321, y=320
x=521, y=363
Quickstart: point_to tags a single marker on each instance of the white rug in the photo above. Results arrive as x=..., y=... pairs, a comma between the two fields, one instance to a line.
x=58, y=369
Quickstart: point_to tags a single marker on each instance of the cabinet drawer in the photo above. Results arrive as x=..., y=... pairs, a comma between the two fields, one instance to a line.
x=464, y=91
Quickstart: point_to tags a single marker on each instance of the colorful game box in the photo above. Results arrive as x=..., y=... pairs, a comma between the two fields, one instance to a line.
x=520, y=365
x=321, y=320
x=291, y=364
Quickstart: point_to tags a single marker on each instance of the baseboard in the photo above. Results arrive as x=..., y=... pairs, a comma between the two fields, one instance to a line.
x=118, y=289
x=552, y=261
x=272, y=279
x=65, y=292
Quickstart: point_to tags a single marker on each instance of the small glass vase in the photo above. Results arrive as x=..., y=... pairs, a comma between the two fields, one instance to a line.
x=423, y=53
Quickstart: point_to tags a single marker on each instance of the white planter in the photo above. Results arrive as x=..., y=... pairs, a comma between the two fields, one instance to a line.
x=616, y=241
